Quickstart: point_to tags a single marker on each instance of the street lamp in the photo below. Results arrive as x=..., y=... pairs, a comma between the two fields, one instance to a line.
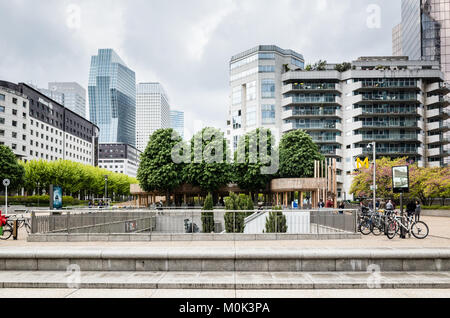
x=106, y=188
x=373, y=145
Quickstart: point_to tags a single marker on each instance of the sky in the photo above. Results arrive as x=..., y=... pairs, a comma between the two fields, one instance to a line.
x=186, y=45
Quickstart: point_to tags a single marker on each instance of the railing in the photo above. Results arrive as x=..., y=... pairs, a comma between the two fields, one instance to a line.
x=167, y=222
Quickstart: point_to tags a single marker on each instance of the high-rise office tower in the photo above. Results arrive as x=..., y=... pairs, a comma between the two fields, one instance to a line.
x=177, y=122
x=425, y=35
x=74, y=96
x=255, y=80
x=152, y=112
x=112, y=98
x=397, y=40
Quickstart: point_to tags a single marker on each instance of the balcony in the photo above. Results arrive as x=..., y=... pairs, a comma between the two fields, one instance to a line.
x=435, y=152
x=393, y=98
x=311, y=88
x=393, y=150
x=332, y=152
x=438, y=87
x=438, y=125
x=391, y=137
x=435, y=100
x=310, y=113
x=391, y=124
x=436, y=139
x=327, y=140
x=294, y=100
x=314, y=126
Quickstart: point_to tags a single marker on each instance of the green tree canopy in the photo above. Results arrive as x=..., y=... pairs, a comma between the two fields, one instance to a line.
x=297, y=155
x=209, y=167
x=157, y=170
x=10, y=168
x=250, y=160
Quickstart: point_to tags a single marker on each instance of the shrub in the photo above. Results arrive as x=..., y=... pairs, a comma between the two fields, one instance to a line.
x=234, y=221
x=276, y=222
x=208, y=217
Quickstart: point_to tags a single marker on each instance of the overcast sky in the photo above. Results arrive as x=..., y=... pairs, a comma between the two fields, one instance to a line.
x=184, y=44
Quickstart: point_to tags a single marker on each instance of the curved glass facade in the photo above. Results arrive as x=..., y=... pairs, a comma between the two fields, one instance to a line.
x=112, y=98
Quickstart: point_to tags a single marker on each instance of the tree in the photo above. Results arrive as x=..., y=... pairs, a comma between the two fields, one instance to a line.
x=250, y=161
x=11, y=169
x=297, y=155
x=276, y=222
x=208, y=217
x=209, y=168
x=234, y=221
x=157, y=171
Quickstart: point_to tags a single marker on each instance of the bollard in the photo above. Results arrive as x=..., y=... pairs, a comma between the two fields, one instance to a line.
x=15, y=230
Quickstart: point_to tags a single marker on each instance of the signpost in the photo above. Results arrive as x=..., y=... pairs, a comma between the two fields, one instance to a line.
x=6, y=183
x=400, y=184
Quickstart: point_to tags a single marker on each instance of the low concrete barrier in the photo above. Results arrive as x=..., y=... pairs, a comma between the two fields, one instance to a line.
x=148, y=237
x=440, y=213
x=226, y=260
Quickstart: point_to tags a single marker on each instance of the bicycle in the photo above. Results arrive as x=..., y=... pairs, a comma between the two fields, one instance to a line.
x=7, y=230
x=371, y=222
x=419, y=229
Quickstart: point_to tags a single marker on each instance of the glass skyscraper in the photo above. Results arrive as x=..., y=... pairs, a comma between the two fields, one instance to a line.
x=112, y=98
x=177, y=122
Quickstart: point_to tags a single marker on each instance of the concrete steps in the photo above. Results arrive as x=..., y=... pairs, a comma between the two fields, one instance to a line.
x=225, y=260
x=224, y=280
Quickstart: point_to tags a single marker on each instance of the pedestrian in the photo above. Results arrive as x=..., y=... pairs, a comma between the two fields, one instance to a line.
x=321, y=204
x=411, y=208
x=418, y=210
x=389, y=207
x=329, y=204
x=341, y=206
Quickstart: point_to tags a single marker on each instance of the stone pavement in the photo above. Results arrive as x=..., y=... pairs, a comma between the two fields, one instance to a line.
x=221, y=293
x=439, y=237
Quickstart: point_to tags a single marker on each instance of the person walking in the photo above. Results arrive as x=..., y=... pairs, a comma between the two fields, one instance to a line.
x=341, y=206
x=321, y=204
x=418, y=211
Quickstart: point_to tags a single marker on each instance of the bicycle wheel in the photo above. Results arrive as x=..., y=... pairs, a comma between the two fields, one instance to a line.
x=392, y=229
x=419, y=230
x=7, y=232
x=377, y=229
x=365, y=227
x=28, y=227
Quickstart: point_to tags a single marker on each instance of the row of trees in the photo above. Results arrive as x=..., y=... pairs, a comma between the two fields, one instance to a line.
x=76, y=179
x=426, y=184
x=252, y=169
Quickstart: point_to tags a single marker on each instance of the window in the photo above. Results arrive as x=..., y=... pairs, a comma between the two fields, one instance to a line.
x=266, y=68
x=2, y=109
x=14, y=112
x=235, y=142
x=268, y=114
x=2, y=97
x=2, y=133
x=2, y=120
x=237, y=120
x=14, y=123
x=237, y=95
x=268, y=88
x=267, y=56
x=13, y=146
x=14, y=100
x=251, y=116
x=251, y=91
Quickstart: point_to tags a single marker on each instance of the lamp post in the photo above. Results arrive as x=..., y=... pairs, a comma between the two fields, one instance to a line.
x=374, y=148
x=106, y=188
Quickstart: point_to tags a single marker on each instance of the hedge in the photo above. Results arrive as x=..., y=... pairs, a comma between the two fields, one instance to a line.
x=43, y=200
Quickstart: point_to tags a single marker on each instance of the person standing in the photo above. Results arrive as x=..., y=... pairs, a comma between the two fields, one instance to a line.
x=418, y=211
x=321, y=204
x=341, y=206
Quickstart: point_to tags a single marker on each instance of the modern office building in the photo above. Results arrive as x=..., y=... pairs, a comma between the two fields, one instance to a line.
x=256, y=84
x=426, y=35
x=37, y=127
x=397, y=40
x=393, y=101
x=177, y=122
x=73, y=96
x=112, y=98
x=119, y=158
x=152, y=112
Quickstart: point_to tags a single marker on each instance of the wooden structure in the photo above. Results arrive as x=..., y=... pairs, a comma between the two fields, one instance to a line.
x=322, y=186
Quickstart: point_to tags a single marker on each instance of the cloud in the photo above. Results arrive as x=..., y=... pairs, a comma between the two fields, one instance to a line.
x=185, y=45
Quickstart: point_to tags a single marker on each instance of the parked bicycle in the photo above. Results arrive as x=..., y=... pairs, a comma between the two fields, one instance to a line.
x=371, y=222
x=418, y=229
x=8, y=227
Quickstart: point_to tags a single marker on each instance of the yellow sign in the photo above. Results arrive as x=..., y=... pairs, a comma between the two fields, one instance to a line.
x=360, y=164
